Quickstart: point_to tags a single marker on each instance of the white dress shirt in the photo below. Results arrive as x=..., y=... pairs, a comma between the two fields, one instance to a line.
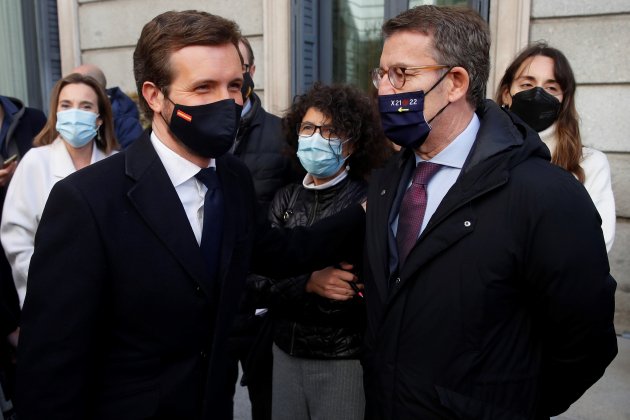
x=190, y=190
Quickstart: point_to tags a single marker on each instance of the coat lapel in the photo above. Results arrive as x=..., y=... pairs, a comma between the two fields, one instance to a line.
x=157, y=202
x=379, y=209
x=233, y=201
x=454, y=218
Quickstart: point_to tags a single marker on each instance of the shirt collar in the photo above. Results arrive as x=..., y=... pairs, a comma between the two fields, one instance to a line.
x=179, y=170
x=310, y=185
x=455, y=154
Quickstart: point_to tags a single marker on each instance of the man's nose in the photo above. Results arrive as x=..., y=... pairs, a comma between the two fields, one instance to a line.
x=385, y=87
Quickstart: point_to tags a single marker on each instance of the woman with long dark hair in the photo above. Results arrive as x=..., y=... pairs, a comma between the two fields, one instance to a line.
x=539, y=87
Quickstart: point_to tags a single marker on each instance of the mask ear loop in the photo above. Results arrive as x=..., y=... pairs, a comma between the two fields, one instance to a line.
x=437, y=83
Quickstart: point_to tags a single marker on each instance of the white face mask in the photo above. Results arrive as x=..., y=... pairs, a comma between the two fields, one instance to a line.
x=76, y=127
x=320, y=157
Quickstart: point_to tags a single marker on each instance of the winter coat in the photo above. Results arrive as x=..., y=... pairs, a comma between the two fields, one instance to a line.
x=504, y=307
x=22, y=125
x=261, y=145
x=305, y=324
x=126, y=117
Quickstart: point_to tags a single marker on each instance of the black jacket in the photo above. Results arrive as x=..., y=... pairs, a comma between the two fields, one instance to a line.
x=306, y=324
x=119, y=320
x=126, y=117
x=504, y=307
x=261, y=145
x=23, y=124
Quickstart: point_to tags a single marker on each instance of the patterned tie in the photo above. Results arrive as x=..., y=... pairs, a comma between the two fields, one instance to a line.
x=212, y=231
x=412, y=208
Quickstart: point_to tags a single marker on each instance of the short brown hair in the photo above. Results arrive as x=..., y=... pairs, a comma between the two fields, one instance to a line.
x=460, y=38
x=105, y=139
x=170, y=32
x=250, y=51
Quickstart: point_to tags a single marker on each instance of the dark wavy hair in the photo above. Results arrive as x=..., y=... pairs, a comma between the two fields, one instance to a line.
x=353, y=113
x=568, y=153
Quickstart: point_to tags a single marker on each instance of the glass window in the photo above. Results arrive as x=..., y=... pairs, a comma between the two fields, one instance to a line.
x=339, y=41
x=356, y=30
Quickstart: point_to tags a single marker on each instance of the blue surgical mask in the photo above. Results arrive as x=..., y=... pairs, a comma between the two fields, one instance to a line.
x=77, y=127
x=320, y=157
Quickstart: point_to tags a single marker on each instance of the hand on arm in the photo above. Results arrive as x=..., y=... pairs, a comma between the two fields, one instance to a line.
x=333, y=283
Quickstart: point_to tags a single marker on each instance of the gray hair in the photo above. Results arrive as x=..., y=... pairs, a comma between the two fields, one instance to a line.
x=460, y=38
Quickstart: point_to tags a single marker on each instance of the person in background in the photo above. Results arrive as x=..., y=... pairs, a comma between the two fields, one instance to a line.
x=260, y=142
x=319, y=318
x=487, y=283
x=79, y=132
x=124, y=109
x=539, y=87
x=18, y=126
x=261, y=145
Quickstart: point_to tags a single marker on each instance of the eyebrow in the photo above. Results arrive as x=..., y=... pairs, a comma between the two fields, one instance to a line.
x=69, y=101
x=532, y=78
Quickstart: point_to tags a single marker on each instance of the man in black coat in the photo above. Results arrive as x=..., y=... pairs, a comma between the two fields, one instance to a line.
x=18, y=127
x=495, y=301
x=140, y=260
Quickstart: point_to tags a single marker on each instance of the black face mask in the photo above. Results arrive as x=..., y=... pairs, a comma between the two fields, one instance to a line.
x=536, y=107
x=207, y=130
x=248, y=86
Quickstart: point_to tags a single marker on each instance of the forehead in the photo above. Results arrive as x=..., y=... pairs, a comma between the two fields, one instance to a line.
x=407, y=48
x=205, y=62
x=315, y=116
x=77, y=92
x=538, y=67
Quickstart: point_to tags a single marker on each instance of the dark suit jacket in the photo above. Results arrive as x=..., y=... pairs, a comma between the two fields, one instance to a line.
x=118, y=321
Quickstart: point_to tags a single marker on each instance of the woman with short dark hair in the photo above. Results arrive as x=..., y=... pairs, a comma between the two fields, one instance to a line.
x=319, y=318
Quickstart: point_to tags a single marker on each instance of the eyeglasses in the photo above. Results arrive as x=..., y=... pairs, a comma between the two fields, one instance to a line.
x=398, y=75
x=307, y=129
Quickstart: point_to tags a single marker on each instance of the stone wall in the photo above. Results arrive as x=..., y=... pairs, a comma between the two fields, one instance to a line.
x=595, y=36
x=109, y=30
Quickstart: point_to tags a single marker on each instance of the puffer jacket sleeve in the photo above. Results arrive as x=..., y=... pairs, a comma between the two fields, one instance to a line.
x=573, y=293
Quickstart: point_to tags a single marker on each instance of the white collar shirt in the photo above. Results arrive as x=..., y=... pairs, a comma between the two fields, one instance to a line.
x=182, y=173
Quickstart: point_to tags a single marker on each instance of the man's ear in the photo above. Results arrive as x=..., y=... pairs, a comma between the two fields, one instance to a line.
x=154, y=96
x=459, y=84
x=252, y=70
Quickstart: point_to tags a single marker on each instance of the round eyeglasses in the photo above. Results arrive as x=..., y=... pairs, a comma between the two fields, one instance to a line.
x=398, y=75
x=307, y=129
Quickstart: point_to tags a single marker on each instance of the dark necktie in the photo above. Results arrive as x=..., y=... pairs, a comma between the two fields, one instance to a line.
x=213, y=210
x=412, y=209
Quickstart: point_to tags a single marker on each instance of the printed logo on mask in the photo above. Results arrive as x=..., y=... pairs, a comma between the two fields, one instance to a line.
x=404, y=105
x=181, y=114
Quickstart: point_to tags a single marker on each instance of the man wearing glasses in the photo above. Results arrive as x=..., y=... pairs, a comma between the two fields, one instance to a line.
x=487, y=281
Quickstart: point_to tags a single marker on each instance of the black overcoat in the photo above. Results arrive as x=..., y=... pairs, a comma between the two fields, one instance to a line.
x=504, y=307
x=119, y=321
